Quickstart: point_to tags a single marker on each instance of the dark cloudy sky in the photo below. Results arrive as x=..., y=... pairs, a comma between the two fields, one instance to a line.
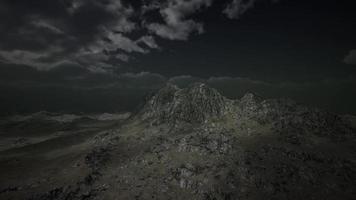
x=105, y=55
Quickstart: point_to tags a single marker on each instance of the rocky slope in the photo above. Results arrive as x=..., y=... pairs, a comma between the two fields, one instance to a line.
x=193, y=143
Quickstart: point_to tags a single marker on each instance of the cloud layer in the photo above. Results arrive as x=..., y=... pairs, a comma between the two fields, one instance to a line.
x=100, y=35
x=237, y=8
x=175, y=13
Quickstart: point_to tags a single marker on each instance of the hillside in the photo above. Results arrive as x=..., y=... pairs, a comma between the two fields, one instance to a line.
x=194, y=143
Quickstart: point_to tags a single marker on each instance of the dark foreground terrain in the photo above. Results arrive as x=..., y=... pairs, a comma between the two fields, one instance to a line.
x=188, y=143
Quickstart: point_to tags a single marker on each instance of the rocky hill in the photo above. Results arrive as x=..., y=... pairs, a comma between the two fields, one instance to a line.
x=193, y=143
x=193, y=105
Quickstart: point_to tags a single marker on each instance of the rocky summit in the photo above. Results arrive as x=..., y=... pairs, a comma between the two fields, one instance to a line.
x=193, y=105
x=193, y=143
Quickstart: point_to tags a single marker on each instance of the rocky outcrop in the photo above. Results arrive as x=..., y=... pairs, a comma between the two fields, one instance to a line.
x=194, y=104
